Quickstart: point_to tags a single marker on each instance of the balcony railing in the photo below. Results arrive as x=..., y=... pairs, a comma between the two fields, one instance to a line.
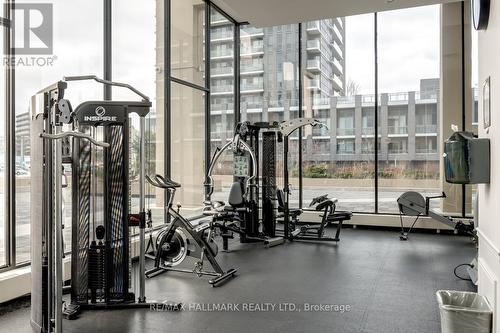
x=345, y=151
x=221, y=35
x=426, y=95
x=252, y=68
x=221, y=70
x=345, y=131
x=313, y=26
x=368, y=99
x=338, y=49
x=346, y=100
x=313, y=64
x=338, y=66
x=251, y=31
x=252, y=86
x=397, y=129
x=368, y=131
x=338, y=21
x=218, y=17
x=321, y=101
x=398, y=97
x=221, y=106
x=314, y=84
x=338, y=34
x=397, y=151
x=425, y=151
x=221, y=53
x=426, y=129
x=251, y=50
x=217, y=135
x=321, y=131
x=252, y=105
x=222, y=88
x=314, y=44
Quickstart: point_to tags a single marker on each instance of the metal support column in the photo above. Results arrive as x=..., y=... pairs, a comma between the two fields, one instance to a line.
x=142, y=211
x=58, y=253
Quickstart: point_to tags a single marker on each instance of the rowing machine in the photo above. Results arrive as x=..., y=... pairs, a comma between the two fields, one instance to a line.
x=414, y=204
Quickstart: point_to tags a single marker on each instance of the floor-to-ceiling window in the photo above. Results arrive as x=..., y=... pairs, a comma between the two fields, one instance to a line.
x=187, y=103
x=338, y=85
x=409, y=105
x=222, y=98
x=269, y=83
x=3, y=157
x=136, y=60
x=338, y=88
x=76, y=51
x=472, y=118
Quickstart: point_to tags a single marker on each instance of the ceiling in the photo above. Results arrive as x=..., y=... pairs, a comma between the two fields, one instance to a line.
x=262, y=13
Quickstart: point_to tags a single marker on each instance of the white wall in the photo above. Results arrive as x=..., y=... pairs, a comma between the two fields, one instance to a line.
x=489, y=195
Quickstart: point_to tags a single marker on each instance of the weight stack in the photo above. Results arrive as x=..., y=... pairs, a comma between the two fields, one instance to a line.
x=268, y=183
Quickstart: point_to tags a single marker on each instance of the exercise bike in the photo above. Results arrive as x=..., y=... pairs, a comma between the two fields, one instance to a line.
x=181, y=239
x=414, y=204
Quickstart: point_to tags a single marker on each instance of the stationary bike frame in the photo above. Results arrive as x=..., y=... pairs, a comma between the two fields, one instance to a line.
x=196, y=233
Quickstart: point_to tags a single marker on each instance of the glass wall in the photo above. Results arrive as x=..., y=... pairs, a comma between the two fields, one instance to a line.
x=188, y=147
x=338, y=89
x=187, y=103
x=136, y=60
x=472, y=108
x=269, y=83
x=222, y=88
x=77, y=51
x=187, y=40
x=3, y=160
x=409, y=80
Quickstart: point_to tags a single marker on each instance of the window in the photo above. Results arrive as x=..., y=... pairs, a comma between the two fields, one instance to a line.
x=269, y=88
x=338, y=80
x=3, y=161
x=81, y=58
x=187, y=41
x=345, y=146
x=472, y=112
x=345, y=122
x=135, y=59
x=222, y=103
x=426, y=145
x=187, y=148
x=409, y=103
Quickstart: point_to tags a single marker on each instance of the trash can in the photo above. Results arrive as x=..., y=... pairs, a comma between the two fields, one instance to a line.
x=464, y=312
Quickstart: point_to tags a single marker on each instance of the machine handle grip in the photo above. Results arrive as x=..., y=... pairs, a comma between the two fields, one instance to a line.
x=74, y=134
x=110, y=83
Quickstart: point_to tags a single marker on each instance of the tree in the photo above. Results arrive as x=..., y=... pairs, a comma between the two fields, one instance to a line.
x=352, y=88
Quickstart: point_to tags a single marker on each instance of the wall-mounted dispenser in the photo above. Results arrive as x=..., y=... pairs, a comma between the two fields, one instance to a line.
x=466, y=159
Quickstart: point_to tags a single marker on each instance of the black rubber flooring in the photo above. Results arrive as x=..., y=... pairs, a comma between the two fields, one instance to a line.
x=372, y=281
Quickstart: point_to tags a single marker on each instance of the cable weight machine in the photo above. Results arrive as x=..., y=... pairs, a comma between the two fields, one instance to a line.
x=100, y=251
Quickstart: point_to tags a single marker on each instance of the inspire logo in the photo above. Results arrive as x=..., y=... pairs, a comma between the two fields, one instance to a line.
x=100, y=116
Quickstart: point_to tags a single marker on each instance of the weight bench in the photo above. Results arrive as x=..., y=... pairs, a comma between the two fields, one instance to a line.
x=314, y=233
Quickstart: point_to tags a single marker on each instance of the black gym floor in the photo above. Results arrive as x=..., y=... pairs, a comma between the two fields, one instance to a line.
x=389, y=286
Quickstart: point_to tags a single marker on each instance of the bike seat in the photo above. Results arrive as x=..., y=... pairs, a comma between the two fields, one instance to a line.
x=160, y=182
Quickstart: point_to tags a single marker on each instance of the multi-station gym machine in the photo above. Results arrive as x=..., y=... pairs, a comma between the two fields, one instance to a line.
x=94, y=139
x=252, y=208
x=254, y=154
